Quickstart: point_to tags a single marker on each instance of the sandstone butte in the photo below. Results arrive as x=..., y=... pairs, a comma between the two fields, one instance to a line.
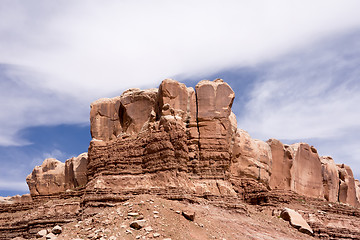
x=181, y=147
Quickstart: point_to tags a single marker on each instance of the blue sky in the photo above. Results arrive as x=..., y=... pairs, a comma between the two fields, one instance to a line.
x=293, y=66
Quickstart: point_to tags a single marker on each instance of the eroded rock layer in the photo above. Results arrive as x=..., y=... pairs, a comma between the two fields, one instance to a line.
x=176, y=128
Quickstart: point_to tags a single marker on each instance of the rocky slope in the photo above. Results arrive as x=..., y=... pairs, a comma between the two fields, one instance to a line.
x=181, y=144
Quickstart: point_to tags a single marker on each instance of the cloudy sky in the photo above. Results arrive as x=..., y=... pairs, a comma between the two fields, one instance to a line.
x=294, y=66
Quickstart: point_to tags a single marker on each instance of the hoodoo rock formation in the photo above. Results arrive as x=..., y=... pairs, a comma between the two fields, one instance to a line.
x=181, y=143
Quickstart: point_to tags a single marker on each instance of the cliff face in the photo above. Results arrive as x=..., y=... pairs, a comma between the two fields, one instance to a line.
x=193, y=134
x=183, y=143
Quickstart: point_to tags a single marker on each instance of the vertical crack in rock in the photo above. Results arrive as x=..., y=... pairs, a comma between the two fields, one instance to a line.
x=197, y=126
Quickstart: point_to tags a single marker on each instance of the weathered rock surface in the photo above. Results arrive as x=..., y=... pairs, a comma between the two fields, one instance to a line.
x=296, y=220
x=76, y=171
x=214, y=102
x=251, y=158
x=331, y=179
x=54, y=177
x=347, y=191
x=357, y=187
x=104, y=118
x=47, y=179
x=306, y=171
x=282, y=161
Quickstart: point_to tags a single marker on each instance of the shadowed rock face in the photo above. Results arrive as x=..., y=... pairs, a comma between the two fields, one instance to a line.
x=76, y=170
x=347, y=191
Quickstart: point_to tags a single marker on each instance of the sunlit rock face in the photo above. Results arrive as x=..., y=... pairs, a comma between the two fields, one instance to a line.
x=282, y=161
x=47, y=179
x=251, y=158
x=331, y=179
x=306, y=171
x=54, y=176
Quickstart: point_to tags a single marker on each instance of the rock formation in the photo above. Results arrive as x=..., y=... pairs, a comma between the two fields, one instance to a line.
x=183, y=143
x=54, y=177
x=331, y=179
x=347, y=191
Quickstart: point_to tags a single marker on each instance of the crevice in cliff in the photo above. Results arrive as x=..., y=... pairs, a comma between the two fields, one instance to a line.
x=197, y=123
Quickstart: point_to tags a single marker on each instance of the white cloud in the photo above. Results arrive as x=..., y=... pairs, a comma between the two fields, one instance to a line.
x=70, y=53
x=311, y=95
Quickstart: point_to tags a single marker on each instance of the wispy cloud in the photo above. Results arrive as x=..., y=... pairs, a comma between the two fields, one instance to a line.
x=311, y=95
x=78, y=51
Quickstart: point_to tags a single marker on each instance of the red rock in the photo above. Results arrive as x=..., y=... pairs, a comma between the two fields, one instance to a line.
x=214, y=101
x=47, y=179
x=347, y=191
x=296, y=220
x=104, y=118
x=137, y=107
x=189, y=215
x=251, y=158
x=306, y=171
x=357, y=187
x=54, y=177
x=75, y=171
x=330, y=179
x=282, y=161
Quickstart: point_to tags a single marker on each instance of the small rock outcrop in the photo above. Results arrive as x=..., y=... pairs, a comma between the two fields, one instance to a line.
x=54, y=177
x=47, y=179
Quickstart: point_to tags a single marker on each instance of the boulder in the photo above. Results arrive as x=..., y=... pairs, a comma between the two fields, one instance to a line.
x=347, y=192
x=306, y=171
x=189, y=215
x=251, y=158
x=51, y=236
x=282, y=161
x=41, y=233
x=331, y=179
x=47, y=179
x=56, y=230
x=138, y=224
x=296, y=220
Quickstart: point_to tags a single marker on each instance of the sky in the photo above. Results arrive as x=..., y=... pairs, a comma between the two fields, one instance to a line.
x=292, y=64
